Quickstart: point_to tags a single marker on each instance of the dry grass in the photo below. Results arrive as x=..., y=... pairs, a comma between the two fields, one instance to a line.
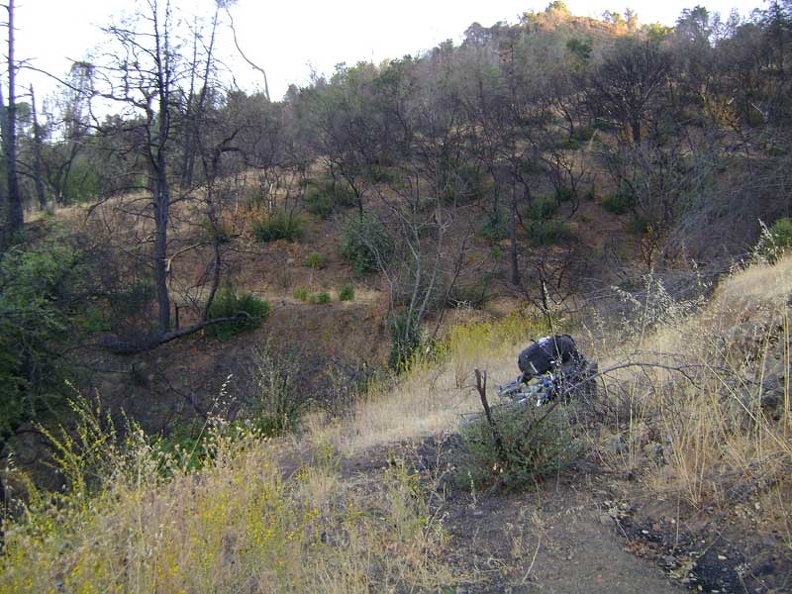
x=240, y=525
x=432, y=397
x=252, y=520
x=709, y=422
x=692, y=423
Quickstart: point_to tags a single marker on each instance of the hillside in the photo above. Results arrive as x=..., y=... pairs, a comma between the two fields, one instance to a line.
x=242, y=340
x=683, y=462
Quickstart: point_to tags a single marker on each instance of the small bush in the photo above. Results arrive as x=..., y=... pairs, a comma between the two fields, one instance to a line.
x=279, y=224
x=83, y=184
x=605, y=125
x=365, y=243
x=187, y=446
x=94, y=319
x=248, y=310
x=40, y=291
x=347, y=293
x=461, y=183
x=495, y=228
x=534, y=446
x=542, y=209
x=381, y=175
x=618, y=203
x=583, y=133
x=474, y=294
x=320, y=298
x=301, y=293
x=775, y=240
x=315, y=261
x=550, y=232
x=406, y=341
x=326, y=199
x=281, y=399
x=580, y=136
x=320, y=203
x=564, y=194
x=220, y=232
x=782, y=231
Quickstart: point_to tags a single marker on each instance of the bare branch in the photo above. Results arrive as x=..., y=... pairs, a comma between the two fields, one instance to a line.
x=245, y=58
x=481, y=387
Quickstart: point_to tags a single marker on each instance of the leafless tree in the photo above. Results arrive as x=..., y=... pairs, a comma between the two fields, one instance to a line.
x=15, y=218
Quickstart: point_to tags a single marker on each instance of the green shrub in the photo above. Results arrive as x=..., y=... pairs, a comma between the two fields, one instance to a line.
x=327, y=198
x=217, y=232
x=187, y=446
x=281, y=398
x=39, y=292
x=605, y=124
x=619, y=202
x=461, y=183
x=247, y=309
x=580, y=136
x=301, y=293
x=95, y=319
x=320, y=203
x=542, y=209
x=315, y=261
x=279, y=224
x=583, y=133
x=774, y=240
x=84, y=183
x=569, y=143
x=406, y=341
x=380, y=175
x=474, y=293
x=564, y=194
x=781, y=231
x=347, y=293
x=495, y=226
x=365, y=243
x=551, y=232
x=320, y=298
x=535, y=444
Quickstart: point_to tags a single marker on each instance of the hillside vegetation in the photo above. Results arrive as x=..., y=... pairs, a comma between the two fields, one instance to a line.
x=238, y=335
x=691, y=427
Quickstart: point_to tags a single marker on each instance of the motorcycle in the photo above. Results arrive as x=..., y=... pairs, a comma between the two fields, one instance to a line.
x=565, y=381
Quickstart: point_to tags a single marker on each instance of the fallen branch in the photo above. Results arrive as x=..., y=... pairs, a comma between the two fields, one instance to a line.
x=149, y=343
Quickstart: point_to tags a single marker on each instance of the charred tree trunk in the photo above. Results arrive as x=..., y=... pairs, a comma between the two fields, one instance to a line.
x=15, y=218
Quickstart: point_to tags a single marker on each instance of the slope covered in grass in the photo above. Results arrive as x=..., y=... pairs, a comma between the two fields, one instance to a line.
x=690, y=431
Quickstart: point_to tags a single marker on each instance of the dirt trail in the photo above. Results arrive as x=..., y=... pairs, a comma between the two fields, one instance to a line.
x=556, y=539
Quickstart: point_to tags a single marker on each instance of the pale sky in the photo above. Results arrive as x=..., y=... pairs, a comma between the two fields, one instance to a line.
x=288, y=38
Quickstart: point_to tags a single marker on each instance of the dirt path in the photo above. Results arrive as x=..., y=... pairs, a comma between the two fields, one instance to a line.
x=555, y=539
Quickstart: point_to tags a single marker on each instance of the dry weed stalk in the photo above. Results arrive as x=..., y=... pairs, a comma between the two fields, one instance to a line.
x=719, y=437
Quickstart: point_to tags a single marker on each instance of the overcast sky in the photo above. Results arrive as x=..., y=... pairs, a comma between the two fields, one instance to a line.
x=289, y=38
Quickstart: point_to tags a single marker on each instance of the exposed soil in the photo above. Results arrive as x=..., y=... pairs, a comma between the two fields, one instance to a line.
x=573, y=534
x=557, y=538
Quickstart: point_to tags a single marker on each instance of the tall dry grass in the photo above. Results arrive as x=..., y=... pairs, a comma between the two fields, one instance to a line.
x=432, y=397
x=244, y=523
x=704, y=411
x=259, y=516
